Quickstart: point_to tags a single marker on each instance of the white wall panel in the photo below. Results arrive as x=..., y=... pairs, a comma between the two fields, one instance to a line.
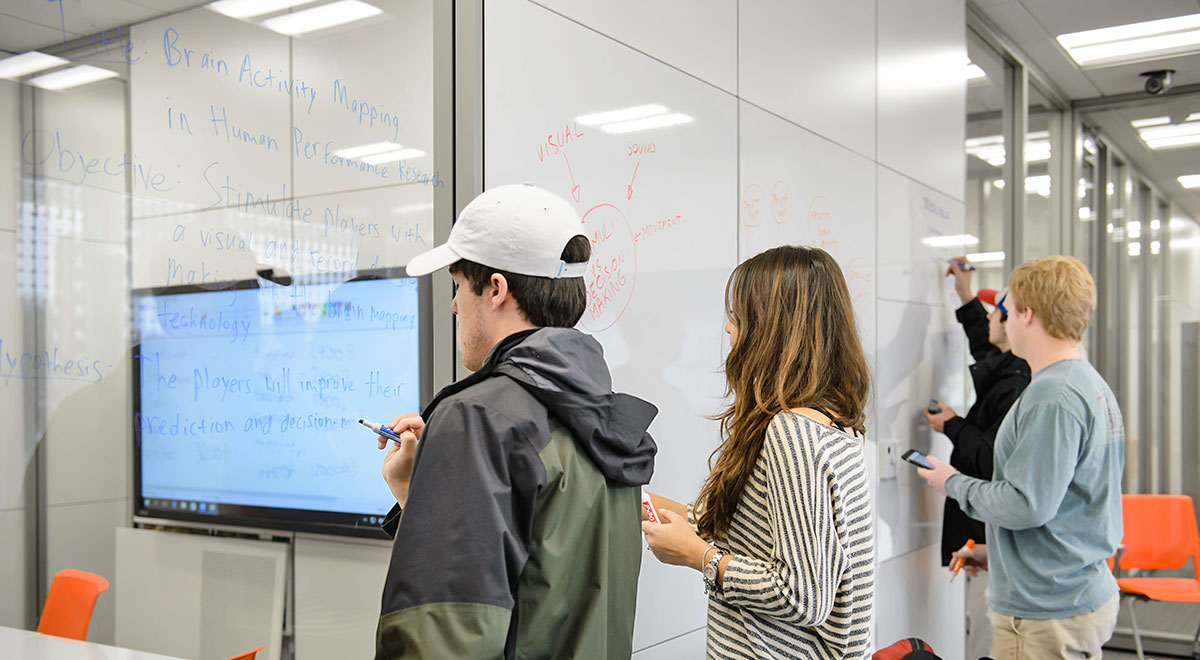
x=699, y=37
x=922, y=91
x=83, y=536
x=338, y=590
x=87, y=372
x=812, y=62
x=14, y=574
x=915, y=598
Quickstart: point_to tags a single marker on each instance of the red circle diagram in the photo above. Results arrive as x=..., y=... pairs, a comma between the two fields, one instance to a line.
x=612, y=270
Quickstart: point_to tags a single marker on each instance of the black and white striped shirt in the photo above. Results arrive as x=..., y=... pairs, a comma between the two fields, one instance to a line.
x=801, y=581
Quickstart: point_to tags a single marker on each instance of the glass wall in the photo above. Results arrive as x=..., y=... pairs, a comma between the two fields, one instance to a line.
x=988, y=112
x=1043, y=154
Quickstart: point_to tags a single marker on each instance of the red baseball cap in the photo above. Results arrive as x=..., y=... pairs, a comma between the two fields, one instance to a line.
x=994, y=298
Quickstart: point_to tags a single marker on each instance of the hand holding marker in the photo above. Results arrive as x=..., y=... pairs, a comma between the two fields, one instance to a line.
x=648, y=508
x=962, y=264
x=956, y=564
x=380, y=429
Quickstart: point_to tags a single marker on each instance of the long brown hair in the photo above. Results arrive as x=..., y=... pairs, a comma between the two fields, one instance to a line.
x=797, y=346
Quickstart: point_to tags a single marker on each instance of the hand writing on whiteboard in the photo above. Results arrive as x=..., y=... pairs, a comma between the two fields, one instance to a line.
x=398, y=462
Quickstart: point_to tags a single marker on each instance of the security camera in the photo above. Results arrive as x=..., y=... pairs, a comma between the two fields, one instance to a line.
x=1159, y=81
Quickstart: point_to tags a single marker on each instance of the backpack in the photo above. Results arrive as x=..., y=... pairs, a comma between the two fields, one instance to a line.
x=906, y=649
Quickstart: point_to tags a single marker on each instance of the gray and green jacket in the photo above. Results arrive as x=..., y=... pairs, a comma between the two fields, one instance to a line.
x=520, y=537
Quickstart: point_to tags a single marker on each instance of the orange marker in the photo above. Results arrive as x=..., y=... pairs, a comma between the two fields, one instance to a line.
x=957, y=562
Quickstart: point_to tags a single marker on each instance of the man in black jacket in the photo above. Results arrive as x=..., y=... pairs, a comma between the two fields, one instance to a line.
x=999, y=378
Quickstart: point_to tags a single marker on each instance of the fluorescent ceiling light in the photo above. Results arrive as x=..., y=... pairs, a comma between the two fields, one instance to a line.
x=1174, y=143
x=72, y=77
x=251, y=8
x=1150, y=121
x=1038, y=185
x=985, y=257
x=1135, y=249
x=351, y=153
x=1190, y=181
x=624, y=114
x=1193, y=117
x=990, y=148
x=319, y=18
x=1170, y=136
x=402, y=154
x=974, y=72
x=657, y=121
x=1085, y=213
x=956, y=240
x=26, y=63
x=1134, y=42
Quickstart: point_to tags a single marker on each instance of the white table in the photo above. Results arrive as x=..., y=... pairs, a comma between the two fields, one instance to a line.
x=19, y=644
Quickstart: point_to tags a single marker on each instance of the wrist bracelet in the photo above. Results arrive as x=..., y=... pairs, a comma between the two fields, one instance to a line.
x=704, y=555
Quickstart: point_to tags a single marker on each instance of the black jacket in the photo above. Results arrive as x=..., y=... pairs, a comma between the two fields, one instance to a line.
x=999, y=378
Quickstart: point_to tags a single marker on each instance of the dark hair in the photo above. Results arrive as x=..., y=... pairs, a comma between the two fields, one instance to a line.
x=545, y=302
x=797, y=346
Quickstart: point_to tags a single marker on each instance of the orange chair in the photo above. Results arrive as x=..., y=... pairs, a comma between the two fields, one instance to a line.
x=1160, y=533
x=68, y=608
x=246, y=656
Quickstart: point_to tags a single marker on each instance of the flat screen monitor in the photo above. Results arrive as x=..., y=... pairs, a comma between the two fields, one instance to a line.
x=247, y=399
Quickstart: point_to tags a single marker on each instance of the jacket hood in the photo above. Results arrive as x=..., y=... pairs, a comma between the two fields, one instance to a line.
x=564, y=369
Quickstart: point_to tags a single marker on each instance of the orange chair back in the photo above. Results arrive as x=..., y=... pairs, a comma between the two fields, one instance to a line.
x=1160, y=531
x=68, y=608
x=246, y=656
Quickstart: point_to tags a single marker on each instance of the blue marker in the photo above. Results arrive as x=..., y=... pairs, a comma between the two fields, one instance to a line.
x=963, y=265
x=381, y=430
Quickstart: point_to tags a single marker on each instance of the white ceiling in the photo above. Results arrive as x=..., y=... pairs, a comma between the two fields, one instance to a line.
x=32, y=24
x=1032, y=25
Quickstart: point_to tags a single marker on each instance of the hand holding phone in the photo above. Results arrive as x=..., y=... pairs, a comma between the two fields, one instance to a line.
x=917, y=458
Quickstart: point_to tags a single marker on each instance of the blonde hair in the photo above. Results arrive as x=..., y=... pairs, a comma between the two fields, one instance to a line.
x=797, y=346
x=1061, y=292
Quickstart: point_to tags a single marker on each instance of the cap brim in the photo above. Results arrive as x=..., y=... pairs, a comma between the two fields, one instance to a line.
x=431, y=260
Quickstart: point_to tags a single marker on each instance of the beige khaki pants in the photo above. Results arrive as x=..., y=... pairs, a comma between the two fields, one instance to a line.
x=1076, y=638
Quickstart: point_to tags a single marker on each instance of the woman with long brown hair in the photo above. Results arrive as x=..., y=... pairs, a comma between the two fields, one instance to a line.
x=782, y=530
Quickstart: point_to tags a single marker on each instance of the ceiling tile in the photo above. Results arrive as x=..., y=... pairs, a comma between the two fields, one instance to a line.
x=18, y=36
x=1064, y=16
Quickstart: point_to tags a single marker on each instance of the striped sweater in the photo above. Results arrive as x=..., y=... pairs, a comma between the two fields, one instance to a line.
x=801, y=580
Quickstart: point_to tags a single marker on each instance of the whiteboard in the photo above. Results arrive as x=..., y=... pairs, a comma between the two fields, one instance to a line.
x=801, y=189
x=921, y=350
x=695, y=36
x=660, y=206
x=240, y=131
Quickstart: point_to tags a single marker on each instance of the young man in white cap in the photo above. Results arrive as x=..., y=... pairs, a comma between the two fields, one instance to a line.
x=517, y=514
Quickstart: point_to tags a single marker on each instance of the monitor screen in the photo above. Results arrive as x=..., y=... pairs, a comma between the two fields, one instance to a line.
x=247, y=400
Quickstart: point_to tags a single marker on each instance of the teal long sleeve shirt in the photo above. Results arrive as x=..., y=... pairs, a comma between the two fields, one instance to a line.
x=1053, y=507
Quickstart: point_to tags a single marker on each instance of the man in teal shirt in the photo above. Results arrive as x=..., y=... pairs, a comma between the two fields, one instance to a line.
x=1053, y=507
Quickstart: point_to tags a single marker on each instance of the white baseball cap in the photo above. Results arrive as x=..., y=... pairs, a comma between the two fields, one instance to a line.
x=517, y=228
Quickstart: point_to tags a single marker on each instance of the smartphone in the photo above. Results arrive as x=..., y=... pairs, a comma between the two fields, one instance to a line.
x=934, y=408
x=917, y=458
